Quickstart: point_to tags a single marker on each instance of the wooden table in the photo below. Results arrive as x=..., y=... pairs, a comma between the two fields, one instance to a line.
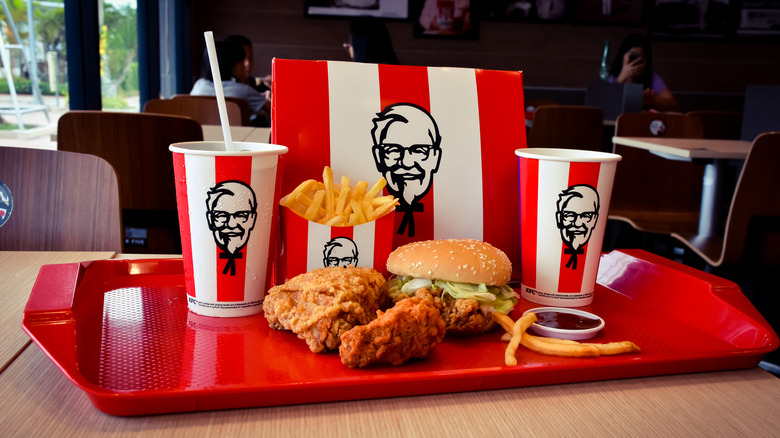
x=689, y=148
x=36, y=399
x=18, y=271
x=715, y=153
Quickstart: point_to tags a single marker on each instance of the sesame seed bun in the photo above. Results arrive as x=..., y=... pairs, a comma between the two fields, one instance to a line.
x=457, y=260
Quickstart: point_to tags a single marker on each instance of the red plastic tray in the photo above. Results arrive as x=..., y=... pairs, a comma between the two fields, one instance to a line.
x=121, y=331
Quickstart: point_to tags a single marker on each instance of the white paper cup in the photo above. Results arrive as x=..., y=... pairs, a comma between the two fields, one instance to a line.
x=564, y=204
x=226, y=203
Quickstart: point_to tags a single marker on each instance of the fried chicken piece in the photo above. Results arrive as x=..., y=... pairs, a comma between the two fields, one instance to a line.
x=323, y=303
x=462, y=317
x=411, y=328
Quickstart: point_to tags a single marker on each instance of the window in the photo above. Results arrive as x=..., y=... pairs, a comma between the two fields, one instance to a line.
x=119, y=55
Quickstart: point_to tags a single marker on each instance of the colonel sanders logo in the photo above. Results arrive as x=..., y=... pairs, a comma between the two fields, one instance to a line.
x=577, y=214
x=407, y=153
x=231, y=212
x=341, y=252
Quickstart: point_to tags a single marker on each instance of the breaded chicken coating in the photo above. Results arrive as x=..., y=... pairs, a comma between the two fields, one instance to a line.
x=410, y=329
x=322, y=304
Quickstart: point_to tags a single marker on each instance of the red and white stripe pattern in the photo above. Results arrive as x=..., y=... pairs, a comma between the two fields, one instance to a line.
x=195, y=176
x=323, y=113
x=544, y=261
x=304, y=242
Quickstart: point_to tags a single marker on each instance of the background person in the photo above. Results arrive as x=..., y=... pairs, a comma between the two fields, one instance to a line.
x=232, y=70
x=260, y=84
x=634, y=64
x=369, y=41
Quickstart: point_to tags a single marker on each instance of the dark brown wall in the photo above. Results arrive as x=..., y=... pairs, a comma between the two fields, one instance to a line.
x=551, y=55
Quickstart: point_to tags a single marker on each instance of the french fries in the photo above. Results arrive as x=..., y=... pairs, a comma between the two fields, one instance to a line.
x=515, y=334
x=518, y=332
x=575, y=349
x=339, y=205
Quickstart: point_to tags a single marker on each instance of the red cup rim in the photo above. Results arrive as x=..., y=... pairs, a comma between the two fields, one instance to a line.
x=568, y=155
x=217, y=148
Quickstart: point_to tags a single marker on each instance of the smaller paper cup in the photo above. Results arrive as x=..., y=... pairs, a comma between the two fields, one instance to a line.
x=564, y=205
x=308, y=245
x=226, y=210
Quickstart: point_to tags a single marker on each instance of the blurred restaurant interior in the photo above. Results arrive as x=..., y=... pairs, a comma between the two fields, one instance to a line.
x=558, y=56
x=720, y=59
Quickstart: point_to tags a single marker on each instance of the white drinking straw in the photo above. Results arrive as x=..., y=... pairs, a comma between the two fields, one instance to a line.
x=223, y=117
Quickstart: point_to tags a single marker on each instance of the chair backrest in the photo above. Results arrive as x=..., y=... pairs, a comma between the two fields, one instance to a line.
x=614, y=99
x=761, y=112
x=645, y=181
x=567, y=126
x=725, y=125
x=205, y=111
x=246, y=113
x=136, y=145
x=654, y=124
x=754, y=215
x=57, y=201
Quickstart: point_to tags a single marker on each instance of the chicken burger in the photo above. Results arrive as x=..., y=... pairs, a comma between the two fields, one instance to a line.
x=466, y=278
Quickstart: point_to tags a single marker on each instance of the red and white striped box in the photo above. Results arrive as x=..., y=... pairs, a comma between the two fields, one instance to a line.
x=227, y=203
x=443, y=138
x=564, y=205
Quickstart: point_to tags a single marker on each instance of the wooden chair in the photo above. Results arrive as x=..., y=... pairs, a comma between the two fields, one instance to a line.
x=652, y=193
x=137, y=146
x=243, y=120
x=567, y=126
x=60, y=201
x=719, y=124
x=753, y=226
x=205, y=111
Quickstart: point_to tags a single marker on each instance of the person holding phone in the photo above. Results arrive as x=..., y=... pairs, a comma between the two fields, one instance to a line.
x=633, y=64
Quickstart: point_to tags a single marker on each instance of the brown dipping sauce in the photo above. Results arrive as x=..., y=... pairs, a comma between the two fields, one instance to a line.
x=566, y=321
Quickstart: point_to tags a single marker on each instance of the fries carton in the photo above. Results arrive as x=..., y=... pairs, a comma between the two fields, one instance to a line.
x=308, y=245
x=442, y=138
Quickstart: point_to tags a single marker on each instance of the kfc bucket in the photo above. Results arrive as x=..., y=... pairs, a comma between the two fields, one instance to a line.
x=440, y=137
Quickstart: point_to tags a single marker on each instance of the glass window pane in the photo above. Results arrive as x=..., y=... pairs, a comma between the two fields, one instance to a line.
x=33, y=82
x=119, y=55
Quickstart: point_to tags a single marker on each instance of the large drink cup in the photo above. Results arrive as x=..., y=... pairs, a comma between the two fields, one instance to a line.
x=226, y=202
x=564, y=204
